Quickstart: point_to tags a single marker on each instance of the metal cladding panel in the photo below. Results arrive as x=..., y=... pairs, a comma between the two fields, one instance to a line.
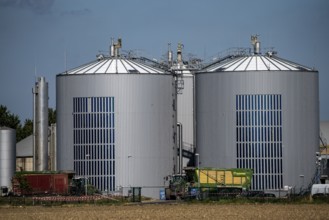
x=144, y=124
x=7, y=155
x=216, y=95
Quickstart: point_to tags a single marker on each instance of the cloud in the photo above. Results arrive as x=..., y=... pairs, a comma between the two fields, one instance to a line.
x=37, y=6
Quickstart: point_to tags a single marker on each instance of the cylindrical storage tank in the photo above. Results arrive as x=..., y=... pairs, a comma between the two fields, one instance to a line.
x=260, y=112
x=116, y=124
x=7, y=155
x=40, y=122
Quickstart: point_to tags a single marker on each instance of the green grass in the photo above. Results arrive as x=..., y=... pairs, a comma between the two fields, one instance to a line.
x=28, y=201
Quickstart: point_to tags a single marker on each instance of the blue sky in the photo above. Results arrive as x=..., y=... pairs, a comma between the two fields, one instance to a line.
x=36, y=36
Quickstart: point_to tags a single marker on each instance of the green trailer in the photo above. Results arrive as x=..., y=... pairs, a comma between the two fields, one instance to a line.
x=228, y=182
x=215, y=177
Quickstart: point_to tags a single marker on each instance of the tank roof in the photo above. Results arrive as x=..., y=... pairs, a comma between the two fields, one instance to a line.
x=6, y=128
x=115, y=65
x=255, y=62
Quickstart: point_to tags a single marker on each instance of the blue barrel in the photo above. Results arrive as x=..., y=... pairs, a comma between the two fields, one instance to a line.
x=194, y=191
x=162, y=194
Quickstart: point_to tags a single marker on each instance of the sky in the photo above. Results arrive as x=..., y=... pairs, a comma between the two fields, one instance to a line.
x=47, y=37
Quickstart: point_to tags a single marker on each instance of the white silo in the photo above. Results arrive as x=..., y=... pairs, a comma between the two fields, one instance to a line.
x=116, y=123
x=259, y=111
x=7, y=156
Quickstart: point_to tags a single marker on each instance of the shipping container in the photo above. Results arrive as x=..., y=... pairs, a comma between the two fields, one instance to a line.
x=32, y=184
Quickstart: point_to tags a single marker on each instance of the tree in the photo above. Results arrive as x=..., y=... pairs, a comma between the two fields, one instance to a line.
x=23, y=185
x=7, y=119
x=12, y=121
x=51, y=116
x=25, y=131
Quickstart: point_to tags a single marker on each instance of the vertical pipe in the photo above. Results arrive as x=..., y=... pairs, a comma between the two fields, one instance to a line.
x=40, y=159
x=87, y=174
x=181, y=149
x=175, y=123
x=180, y=146
x=198, y=166
x=34, y=91
x=170, y=57
x=52, y=148
x=179, y=55
x=257, y=47
x=112, y=48
x=194, y=114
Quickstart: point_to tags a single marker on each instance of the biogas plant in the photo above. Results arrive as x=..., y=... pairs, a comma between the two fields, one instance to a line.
x=247, y=122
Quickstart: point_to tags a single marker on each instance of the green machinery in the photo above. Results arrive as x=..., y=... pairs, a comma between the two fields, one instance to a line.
x=213, y=180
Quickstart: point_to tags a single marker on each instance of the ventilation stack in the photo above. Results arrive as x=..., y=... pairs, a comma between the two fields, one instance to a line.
x=40, y=125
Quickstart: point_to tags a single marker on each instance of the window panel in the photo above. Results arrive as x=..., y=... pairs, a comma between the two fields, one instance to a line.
x=258, y=137
x=95, y=128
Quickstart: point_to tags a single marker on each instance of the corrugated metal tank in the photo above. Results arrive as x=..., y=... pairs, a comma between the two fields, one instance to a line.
x=116, y=124
x=7, y=155
x=261, y=112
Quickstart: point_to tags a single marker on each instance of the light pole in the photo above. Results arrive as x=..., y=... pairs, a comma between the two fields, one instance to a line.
x=198, y=165
x=302, y=178
x=129, y=156
x=87, y=173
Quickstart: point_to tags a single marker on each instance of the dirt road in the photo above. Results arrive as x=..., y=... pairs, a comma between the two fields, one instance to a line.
x=169, y=211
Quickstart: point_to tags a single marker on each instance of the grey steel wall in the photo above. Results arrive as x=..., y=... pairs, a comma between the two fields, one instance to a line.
x=7, y=155
x=216, y=118
x=144, y=124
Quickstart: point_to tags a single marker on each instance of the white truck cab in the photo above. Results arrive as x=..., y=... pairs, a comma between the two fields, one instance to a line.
x=320, y=190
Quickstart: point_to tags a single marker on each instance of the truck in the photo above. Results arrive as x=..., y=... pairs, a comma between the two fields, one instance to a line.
x=320, y=190
x=78, y=186
x=222, y=182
